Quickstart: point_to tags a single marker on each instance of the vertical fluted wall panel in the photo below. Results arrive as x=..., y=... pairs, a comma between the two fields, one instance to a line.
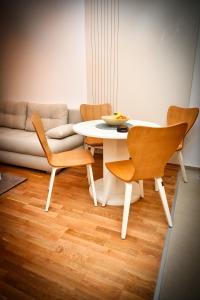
x=103, y=30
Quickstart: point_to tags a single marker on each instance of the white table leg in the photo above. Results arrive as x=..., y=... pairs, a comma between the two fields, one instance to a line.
x=114, y=150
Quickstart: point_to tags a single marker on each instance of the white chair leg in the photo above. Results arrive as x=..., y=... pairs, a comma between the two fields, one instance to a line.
x=141, y=188
x=88, y=175
x=181, y=162
x=156, y=186
x=164, y=200
x=89, y=168
x=92, y=149
x=53, y=172
x=127, y=201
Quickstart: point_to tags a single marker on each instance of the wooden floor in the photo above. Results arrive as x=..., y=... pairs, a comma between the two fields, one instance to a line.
x=75, y=251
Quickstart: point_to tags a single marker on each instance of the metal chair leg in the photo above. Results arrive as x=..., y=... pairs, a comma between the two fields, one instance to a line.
x=92, y=149
x=156, y=186
x=127, y=201
x=89, y=168
x=88, y=175
x=181, y=162
x=164, y=200
x=141, y=188
x=53, y=172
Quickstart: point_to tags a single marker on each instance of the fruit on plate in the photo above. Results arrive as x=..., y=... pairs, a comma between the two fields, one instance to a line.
x=119, y=116
x=115, y=119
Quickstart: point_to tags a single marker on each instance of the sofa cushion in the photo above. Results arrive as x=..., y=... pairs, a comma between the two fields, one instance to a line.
x=13, y=114
x=60, y=132
x=74, y=116
x=26, y=142
x=52, y=115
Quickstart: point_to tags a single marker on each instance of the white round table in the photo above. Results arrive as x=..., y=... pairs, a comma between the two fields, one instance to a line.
x=114, y=149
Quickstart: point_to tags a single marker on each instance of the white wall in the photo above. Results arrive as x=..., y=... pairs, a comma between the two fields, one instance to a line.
x=150, y=48
x=157, y=42
x=192, y=142
x=44, y=61
x=157, y=47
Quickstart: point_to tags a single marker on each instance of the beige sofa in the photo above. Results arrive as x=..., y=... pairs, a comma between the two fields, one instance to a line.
x=19, y=144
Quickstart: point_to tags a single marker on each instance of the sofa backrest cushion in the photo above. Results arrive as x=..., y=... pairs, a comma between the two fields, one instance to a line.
x=13, y=114
x=74, y=116
x=52, y=115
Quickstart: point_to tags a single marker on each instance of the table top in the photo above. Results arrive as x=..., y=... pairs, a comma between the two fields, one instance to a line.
x=99, y=129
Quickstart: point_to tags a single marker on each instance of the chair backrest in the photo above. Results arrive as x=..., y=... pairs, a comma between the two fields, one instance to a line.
x=95, y=111
x=150, y=148
x=37, y=123
x=177, y=114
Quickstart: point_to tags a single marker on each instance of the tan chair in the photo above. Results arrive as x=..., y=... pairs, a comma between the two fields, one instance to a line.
x=94, y=112
x=77, y=157
x=176, y=115
x=149, y=150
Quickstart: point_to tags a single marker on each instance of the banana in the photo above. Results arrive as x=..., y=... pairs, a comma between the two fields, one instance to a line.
x=117, y=115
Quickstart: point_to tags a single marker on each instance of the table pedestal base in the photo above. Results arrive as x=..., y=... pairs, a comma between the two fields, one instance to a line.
x=116, y=197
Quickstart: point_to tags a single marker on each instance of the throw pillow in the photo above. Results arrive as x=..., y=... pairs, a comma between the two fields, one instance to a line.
x=60, y=132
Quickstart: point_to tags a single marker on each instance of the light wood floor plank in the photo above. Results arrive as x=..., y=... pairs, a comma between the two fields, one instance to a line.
x=75, y=251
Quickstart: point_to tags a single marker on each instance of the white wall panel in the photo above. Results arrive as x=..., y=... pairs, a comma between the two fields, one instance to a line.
x=102, y=32
x=157, y=43
x=44, y=59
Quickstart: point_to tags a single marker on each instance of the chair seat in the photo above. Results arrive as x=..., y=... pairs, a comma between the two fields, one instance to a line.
x=78, y=157
x=123, y=169
x=91, y=141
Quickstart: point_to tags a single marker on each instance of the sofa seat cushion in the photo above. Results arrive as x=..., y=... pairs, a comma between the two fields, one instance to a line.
x=26, y=142
x=52, y=115
x=13, y=114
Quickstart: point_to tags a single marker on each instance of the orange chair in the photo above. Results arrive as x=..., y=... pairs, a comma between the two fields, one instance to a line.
x=149, y=150
x=77, y=157
x=176, y=115
x=94, y=112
